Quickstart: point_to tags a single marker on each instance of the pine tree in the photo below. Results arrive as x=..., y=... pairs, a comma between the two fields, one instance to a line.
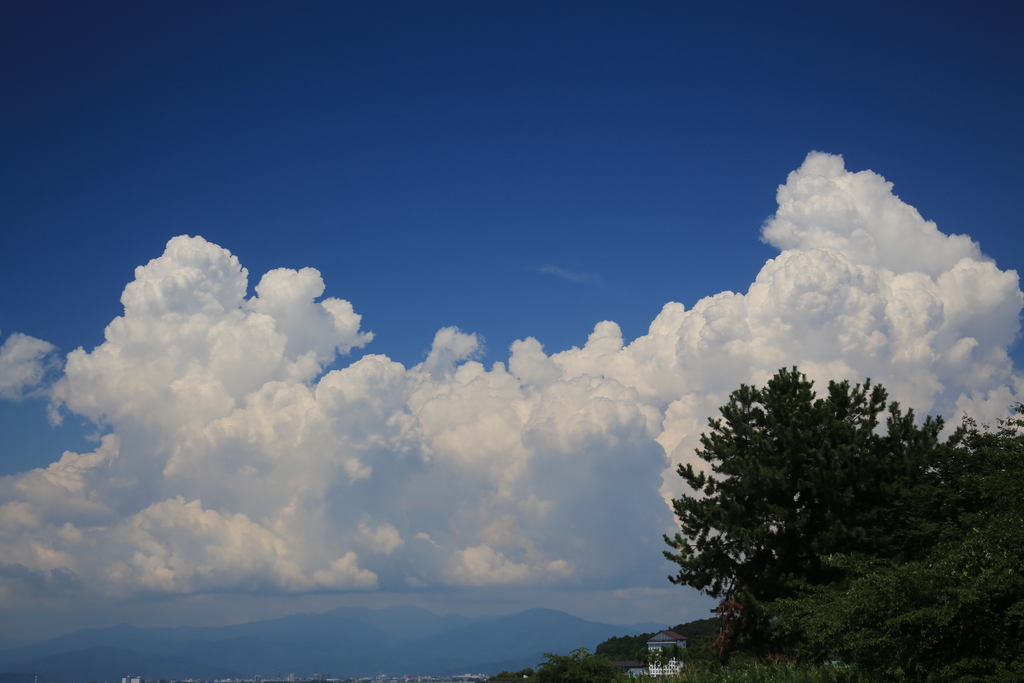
x=793, y=478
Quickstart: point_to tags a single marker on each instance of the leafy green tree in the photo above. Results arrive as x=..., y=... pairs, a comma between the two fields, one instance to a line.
x=622, y=647
x=579, y=666
x=794, y=477
x=956, y=616
x=955, y=613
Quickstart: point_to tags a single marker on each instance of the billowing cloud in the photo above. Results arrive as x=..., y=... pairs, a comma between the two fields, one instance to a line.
x=232, y=462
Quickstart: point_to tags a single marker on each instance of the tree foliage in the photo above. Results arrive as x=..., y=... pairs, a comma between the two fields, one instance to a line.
x=513, y=675
x=828, y=538
x=579, y=666
x=625, y=647
x=956, y=611
x=793, y=478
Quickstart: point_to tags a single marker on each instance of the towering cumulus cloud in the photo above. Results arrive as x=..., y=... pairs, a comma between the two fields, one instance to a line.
x=232, y=462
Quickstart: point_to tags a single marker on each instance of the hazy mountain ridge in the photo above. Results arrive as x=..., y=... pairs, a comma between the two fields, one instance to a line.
x=343, y=642
x=6, y=642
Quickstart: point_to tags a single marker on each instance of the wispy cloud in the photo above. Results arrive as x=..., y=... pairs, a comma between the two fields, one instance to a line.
x=569, y=275
x=24, y=363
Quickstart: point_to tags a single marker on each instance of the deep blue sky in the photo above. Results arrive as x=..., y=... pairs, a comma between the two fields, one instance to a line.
x=428, y=158
x=433, y=159
x=424, y=156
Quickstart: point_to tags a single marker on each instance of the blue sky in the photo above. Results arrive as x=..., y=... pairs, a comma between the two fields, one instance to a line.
x=513, y=170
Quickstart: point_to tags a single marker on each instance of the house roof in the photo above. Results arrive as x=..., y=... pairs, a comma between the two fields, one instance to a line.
x=667, y=636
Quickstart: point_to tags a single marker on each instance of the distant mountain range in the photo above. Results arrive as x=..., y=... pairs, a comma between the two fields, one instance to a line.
x=346, y=642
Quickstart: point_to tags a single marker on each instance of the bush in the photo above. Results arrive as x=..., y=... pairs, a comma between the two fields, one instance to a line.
x=783, y=672
x=579, y=666
x=513, y=675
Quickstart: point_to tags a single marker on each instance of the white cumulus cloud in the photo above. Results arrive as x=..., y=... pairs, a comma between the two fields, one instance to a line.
x=232, y=462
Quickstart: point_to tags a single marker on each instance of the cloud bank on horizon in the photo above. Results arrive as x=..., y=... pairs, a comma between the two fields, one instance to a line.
x=230, y=461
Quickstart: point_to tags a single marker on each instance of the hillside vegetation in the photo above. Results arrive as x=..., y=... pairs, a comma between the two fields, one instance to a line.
x=623, y=648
